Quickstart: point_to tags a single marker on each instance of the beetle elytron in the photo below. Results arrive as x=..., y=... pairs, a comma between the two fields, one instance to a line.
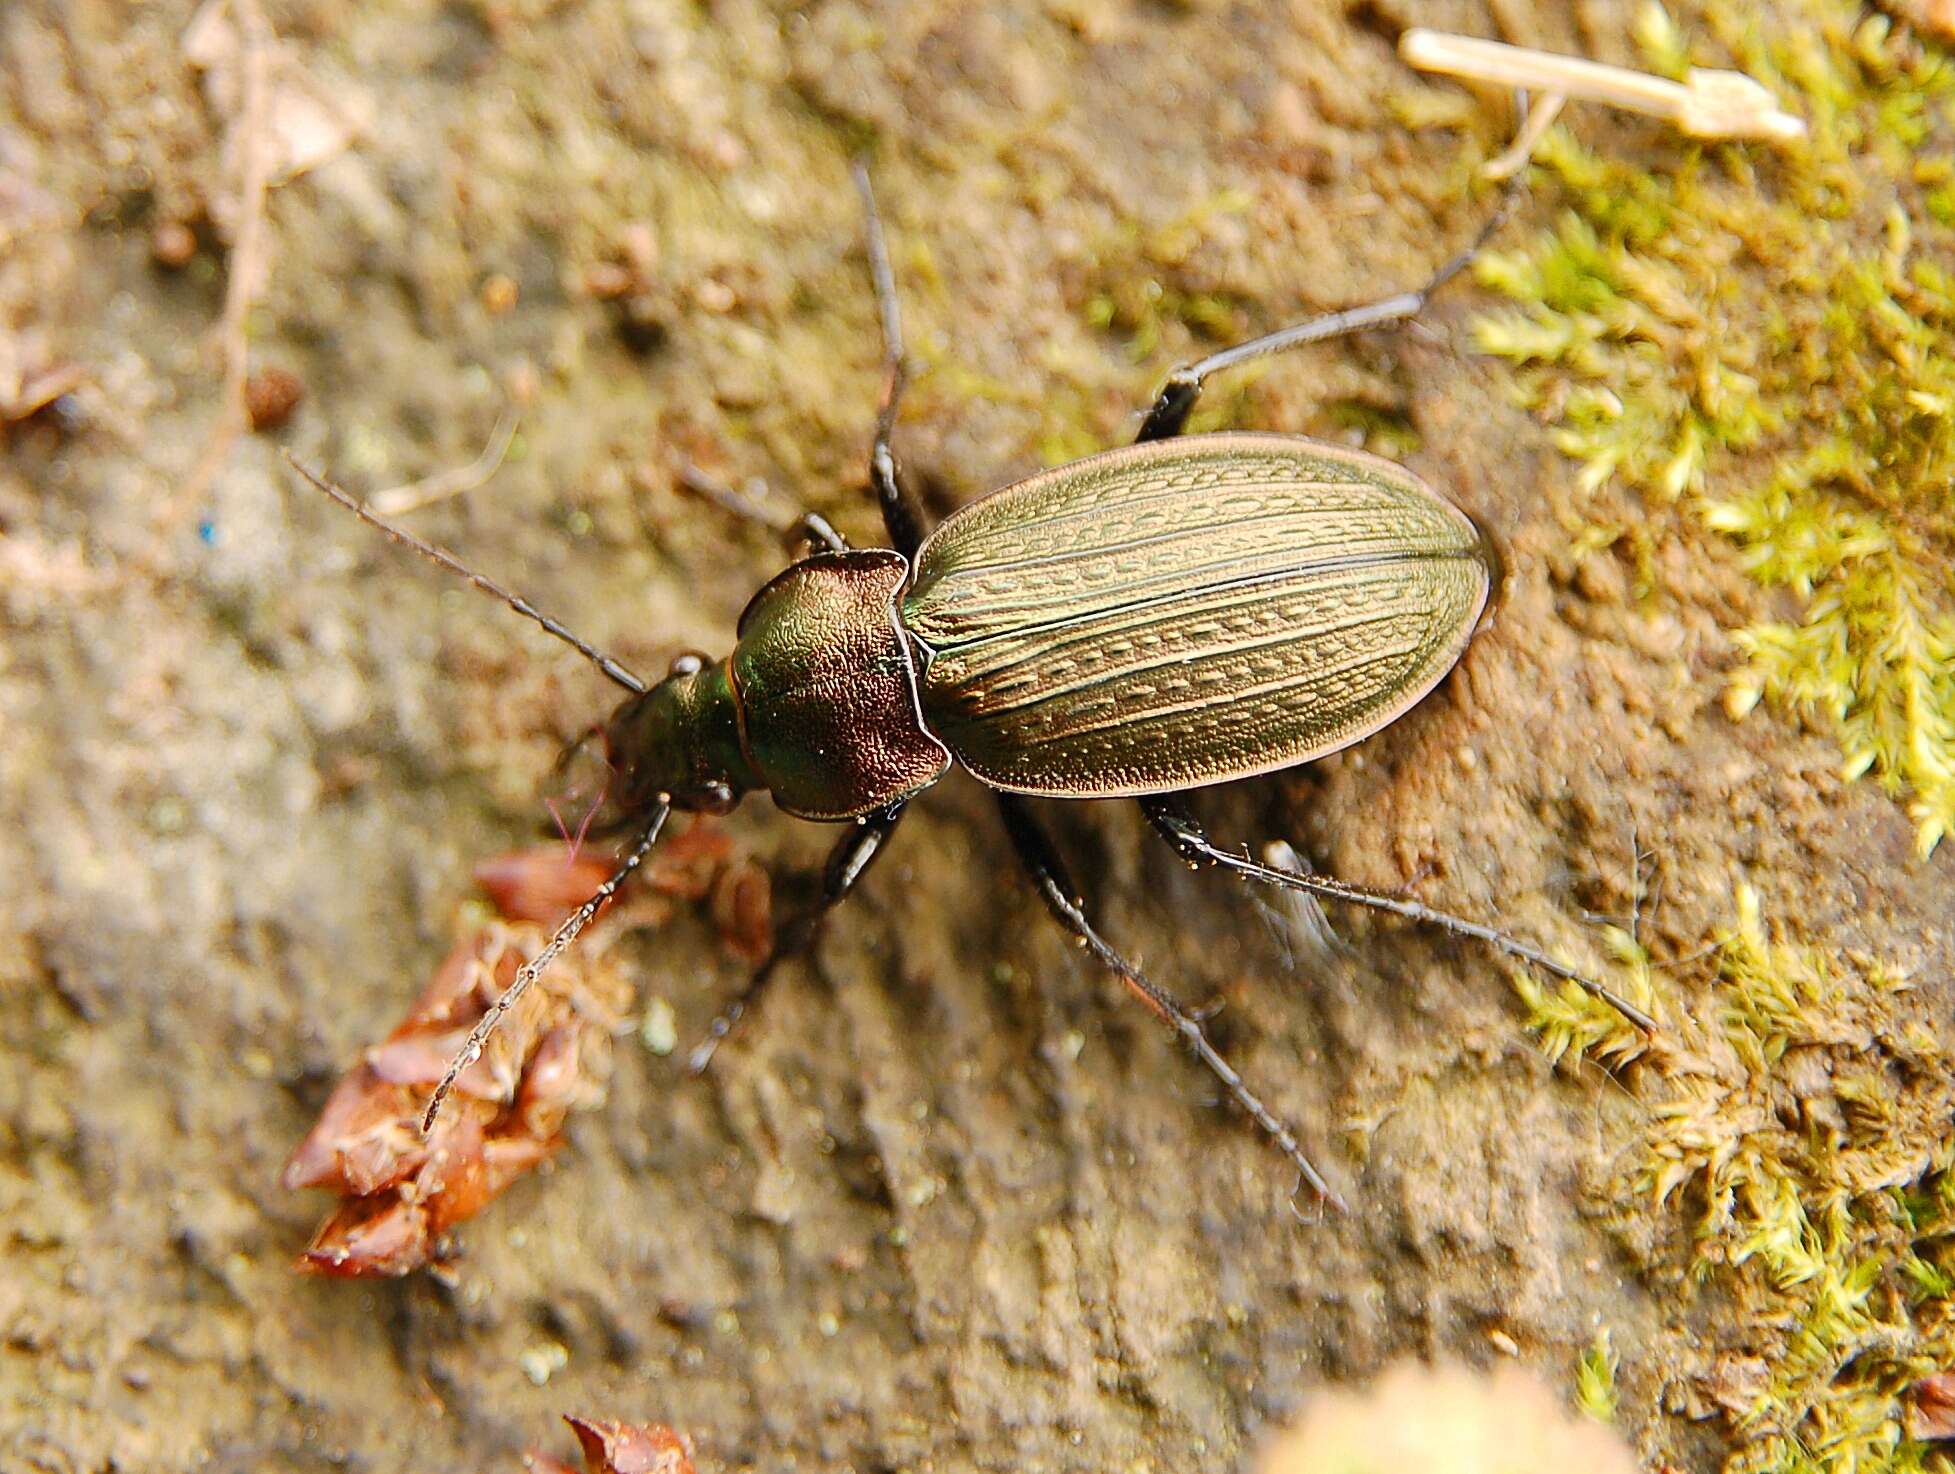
x=1180, y=612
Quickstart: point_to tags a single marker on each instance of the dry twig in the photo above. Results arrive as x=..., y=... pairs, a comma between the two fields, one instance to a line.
x=1706, y=104
x=251, y=131
x=451, y=482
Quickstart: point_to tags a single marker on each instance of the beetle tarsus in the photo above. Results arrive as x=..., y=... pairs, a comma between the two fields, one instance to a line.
x=1192, y=844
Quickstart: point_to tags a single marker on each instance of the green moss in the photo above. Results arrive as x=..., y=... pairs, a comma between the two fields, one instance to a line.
x=1595, y=1379
x=1769, y=336
x=1573, y=1024
x=1796, y=1165
x=1136, y=267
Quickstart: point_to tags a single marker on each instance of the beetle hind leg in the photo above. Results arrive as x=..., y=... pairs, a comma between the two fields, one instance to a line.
x=1179, y=829
x=1040, y=857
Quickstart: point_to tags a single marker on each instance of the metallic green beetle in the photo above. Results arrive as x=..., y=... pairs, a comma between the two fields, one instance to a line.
x=1180, y=612
x=1157, y=618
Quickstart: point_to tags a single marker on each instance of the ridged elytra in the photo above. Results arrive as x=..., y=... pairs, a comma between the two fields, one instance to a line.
x=1184, y=611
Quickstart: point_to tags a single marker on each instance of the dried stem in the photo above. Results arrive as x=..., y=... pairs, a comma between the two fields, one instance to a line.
x=453, y=481
x=1706, y=104
x=251, y=129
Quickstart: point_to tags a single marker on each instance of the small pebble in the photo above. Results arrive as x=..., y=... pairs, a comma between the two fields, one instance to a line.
x=606, y=280
x=173, y=244
x=540, y=1363
x=499, y=294
x=270, y=396
x=659, y=1030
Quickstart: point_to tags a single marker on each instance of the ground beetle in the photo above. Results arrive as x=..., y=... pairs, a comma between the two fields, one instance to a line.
x=1180, y=612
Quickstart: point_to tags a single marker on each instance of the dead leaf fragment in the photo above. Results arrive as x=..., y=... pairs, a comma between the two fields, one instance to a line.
x=305, y=126
x=631, y=1448
x=1934, y=1408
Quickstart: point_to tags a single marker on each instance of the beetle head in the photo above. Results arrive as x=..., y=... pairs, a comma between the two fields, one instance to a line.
x=681, y=739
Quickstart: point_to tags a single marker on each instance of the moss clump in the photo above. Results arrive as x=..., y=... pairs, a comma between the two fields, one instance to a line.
x=1595, y=1379
x=1796, y=1164
x=1573, y=1024
x=1770, y=335
x=1136, y=302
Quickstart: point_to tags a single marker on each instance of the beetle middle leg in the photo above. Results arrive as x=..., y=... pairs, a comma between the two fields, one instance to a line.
x=1040, y=857
x=1174, y=824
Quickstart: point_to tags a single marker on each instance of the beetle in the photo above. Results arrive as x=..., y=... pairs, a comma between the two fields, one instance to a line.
x=1183, y=611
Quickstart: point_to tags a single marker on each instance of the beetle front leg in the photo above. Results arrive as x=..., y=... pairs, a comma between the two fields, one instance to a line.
x=1169, y=413
x=847, y=862
x=818, y=534
x=901, y=513
x=1040, y=857
x=1174, y=824
x=800, y=533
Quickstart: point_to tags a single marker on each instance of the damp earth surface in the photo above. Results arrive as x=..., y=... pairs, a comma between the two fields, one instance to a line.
x=948, y=1200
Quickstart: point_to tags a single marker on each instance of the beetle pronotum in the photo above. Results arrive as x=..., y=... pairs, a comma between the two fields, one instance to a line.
x=1180, y=612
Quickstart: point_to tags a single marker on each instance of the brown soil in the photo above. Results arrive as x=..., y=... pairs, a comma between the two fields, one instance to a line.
x=950, y=1201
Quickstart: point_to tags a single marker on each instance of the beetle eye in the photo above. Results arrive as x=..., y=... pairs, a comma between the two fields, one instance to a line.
x=691, y=663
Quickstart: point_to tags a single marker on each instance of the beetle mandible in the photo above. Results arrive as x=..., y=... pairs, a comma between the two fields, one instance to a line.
x=1180, y=612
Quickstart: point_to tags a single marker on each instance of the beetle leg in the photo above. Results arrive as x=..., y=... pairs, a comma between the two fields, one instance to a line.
x=851, y=857
x=1040, y=857
x=808, y=532
x=1174, y=824
x=901, y=514
x=817, y=534
x=1171, y=407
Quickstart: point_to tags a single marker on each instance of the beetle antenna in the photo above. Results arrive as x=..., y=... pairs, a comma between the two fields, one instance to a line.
x=530, y=971
x=449, y=561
